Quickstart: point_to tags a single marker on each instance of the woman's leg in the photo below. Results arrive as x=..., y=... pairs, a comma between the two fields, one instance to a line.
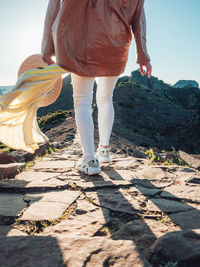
x=82, y=95
x=104, y=99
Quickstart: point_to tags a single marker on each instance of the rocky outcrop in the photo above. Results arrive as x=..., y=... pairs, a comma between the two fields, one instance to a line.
x=65, y=99
x=150, y=118
x=148, y=113
x=153, y=82
x=186, y=83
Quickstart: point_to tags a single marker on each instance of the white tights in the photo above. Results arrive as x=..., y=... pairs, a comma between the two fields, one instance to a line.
x=83, y=94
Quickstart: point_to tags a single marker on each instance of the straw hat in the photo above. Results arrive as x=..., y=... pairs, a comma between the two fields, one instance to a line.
x=35, y=62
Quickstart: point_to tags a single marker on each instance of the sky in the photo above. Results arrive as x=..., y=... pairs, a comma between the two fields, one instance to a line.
x=173, y=38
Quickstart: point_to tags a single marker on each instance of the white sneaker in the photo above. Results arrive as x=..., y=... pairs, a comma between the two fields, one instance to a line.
x=103, y=154
x=89, y=167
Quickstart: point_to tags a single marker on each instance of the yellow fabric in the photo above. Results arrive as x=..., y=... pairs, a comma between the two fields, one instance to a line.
x=18, y=109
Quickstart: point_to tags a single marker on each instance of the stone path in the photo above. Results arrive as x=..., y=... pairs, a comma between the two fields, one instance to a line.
x=51, y=215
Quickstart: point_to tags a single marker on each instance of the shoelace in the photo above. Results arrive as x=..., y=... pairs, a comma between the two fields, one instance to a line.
x=104, y=151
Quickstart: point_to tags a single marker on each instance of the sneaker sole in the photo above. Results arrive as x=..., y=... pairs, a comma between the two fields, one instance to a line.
x=92, y=171
x=103, y=160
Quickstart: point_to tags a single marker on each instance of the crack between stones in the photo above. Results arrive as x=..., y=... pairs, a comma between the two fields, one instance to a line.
x=37, y=227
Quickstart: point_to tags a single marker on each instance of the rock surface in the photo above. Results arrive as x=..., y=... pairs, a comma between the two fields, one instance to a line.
x=143, y=232
x=110, y=219
x=192, y=160
x=10, y=170
x=183, y=83
x=85, y=221
x=48, y=206
x=190, y=193
x=49, y=251
x=11, y=204
x=8, y=231
x=179, y=246
x=167, y=206
x=187, y=220
x=5, y=159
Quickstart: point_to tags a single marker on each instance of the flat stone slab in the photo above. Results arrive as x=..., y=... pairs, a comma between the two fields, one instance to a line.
x=48, y=206
x=35, y=180
x=118, y=175
x=117, y=200
x=128, y=163
x=165, y=205
x=115, y=177
x=85, y=221
x=143, y=233
x=106, y=178
x=118, y=157
x=60, y=252
x=153, y=184
x=192, y=160
x=11, y=204
x=182, y=192
x=144, y=191
x=47, y=180
x=185, y=174
x=62, y=156
x=154, y=173
x=54, y=166
x=187, y=220
x=193, y=181
x=6, y=230
x=152, y=177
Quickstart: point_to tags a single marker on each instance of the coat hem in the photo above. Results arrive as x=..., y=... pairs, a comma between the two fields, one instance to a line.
x=89, y=75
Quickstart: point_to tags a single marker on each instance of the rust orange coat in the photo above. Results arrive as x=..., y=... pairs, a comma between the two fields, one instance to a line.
x=92, y=37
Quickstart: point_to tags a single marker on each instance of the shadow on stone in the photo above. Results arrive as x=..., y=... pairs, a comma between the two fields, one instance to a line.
x=30, y=251
x=183, y=215
x=12, y=207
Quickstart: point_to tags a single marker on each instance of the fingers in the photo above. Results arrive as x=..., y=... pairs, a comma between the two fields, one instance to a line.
x=148, y=69
x=141, y=69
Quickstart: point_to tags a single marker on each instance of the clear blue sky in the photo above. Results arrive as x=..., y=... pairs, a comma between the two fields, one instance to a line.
x=173, y=34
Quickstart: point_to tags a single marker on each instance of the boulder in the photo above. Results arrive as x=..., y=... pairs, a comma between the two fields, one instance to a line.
x=8, y=171
x=184, y=83
x=5, y=158
x=178, y=246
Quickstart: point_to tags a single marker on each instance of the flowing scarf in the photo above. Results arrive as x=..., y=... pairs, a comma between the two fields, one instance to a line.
x=18, y=109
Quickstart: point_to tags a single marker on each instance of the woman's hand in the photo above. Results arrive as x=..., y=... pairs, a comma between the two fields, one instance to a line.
x=148, y=70
x=48, y=59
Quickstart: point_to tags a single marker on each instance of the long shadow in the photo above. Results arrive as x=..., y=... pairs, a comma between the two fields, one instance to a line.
x=30, y=251
x=47, y=250
x=24, y=250
x=115, y=196
x=12, y=203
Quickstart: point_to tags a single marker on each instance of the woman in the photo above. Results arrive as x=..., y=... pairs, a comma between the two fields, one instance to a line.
x=91, y=38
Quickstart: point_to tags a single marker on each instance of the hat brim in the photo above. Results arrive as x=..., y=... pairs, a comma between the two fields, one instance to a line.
x=35, y=62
